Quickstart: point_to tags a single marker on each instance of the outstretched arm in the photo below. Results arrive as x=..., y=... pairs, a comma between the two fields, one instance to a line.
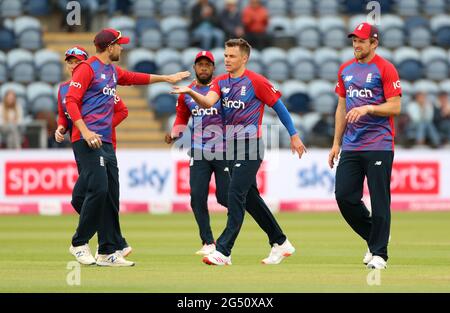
x=206, y=102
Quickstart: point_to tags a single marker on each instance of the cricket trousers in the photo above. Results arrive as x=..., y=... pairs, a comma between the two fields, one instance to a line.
x=201, y=170
x=243, y=194
x=99, y=183
x=353, y=167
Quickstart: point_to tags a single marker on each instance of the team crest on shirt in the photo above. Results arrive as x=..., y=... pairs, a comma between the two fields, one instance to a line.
x=243, y=91
x=369, y=78
x=225, y=90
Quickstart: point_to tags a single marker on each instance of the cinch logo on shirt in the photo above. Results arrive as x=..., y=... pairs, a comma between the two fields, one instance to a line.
x=75, y=84
x=362, y=93
x=202, y=111
x=109, y=91
x=233, y=104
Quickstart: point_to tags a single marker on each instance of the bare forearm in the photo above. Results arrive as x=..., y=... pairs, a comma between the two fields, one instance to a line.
x=389, y=108
x=81, y=126
x=201, y=100
x=158, y=78
x=340, y=124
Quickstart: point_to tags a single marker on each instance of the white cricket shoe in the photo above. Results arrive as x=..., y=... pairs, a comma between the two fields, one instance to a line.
x=125, y=252
x=217, y=258
x=279, y=252
x=115, y=259
x=206, y=249
x=377, y=262
x=82, y=254
x=367, y=257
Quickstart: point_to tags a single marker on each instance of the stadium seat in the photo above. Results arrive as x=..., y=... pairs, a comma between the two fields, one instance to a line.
x=20, y=91
x=385, y=53
x=322, y=95
x=354, y=21
x=408, y=7
x=347, y=54
x=333, y=30
x=151, y=39
x=144, y=8
x=307, y=32
x=219, y=56
x=440, y=25
x=436, y=64
x=327, y=7
x=188, y=56
x=418, y=31
x=40, y=98
x=48, y=66
x=127, y=26
x=392, y=31
x=277, y=8
x=38, y=7
x=11, y=8
x=408, y=63
x=433, y=7
x=443, y=37
x=28, y=33
x=296, y=95
x=21, y=65
x=175, y=32
x=304, y=8
x=427, y=86
x=3, y=68
x=354, y=6
x=220, y=68
x=407, y=94
x=142, y=60
x=327, y=62
x=280, y=28
x=445, y=86
x=7, y=39
x=274, y=61
x=145, y=23
x=170, y=7
x=160, y=99
x=301, y=62
x=168, y=61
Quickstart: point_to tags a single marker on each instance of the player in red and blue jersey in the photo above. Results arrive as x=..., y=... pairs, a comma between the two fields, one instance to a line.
x=369, y=97
x=90, y=103
x=73, y=57
x=207, y=148
x=243, y=95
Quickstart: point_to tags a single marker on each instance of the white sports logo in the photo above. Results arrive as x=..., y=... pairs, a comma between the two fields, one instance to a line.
x=362, y=93
x=202, y=111
x=396, y=84
x=369, y=78
x=108, y=91
x=348, y=78
x=224, y=90
x=237, y=104
x=75, y=84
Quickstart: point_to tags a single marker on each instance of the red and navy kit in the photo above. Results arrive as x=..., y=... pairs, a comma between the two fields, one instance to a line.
x=207, y=127
x=120, y=112
x=362, y=84
x=92, y=93
x=243, y=99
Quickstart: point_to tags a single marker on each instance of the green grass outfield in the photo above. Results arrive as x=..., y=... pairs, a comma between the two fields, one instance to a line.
x=34, y=256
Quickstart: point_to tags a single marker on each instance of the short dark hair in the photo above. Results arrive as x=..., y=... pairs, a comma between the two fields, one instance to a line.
x=243, y=45
x=100, y=49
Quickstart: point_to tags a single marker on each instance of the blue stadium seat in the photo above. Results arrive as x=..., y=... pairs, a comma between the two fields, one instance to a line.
x=443, y=37
x=160, y=100
x=170, y=7
x=296, y=95
x=175, y=32
x=428, y=86
x=142, y=60
x=280, y=29
x=48, y=66
x=435, y=60
x=418, y=31
x=392, y=31
x=7, y=39
x=302, y=7
x=277, y=8
x=28, y=32
x=168, y=61
x=327, y=62
x=385, y=53
x=3, y=68
x=151, y=39
x=354, y=21
x=408, y=63
x=408, y=7
x=144, y=23
x=11, y=8
x=301, y=62
x=38, y=7
x=440, y=25
x=354, y=6
x=274, y=61
x=445, y=86
x=327, y=7
x=334, y=33
x=40, y=97
x=322, y=95
x=307, y=32
x=144, y=8
x=433, y=7
x=21, y=66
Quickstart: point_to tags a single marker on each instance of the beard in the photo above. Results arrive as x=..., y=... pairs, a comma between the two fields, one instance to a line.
x=204, y=81
x=360, y=55
x=114, y=57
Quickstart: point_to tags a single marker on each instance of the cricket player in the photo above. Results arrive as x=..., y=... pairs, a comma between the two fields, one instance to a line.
x=206, y=138
x=73, y=57
x=90, y=104
x=369, y=97
x=243, y=95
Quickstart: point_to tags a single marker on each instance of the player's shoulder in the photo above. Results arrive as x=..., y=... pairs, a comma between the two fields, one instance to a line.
x=254, y=76
x=346, y=64
x=383, y=64
x=221, y=77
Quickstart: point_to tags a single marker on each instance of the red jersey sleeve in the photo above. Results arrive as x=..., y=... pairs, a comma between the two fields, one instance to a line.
x=391, y=81
x=81, y=79
x=62, y=118
x=215, y=86
x=182, y=116
x=126, y=78
x=264, y=90
x=340, y=87
x=120, y=112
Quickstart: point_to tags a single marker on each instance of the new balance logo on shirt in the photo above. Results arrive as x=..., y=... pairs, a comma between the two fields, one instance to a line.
x=378, y=163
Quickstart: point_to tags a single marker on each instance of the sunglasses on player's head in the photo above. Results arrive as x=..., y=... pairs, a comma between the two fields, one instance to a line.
x=76, y=51
x=115, y=40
